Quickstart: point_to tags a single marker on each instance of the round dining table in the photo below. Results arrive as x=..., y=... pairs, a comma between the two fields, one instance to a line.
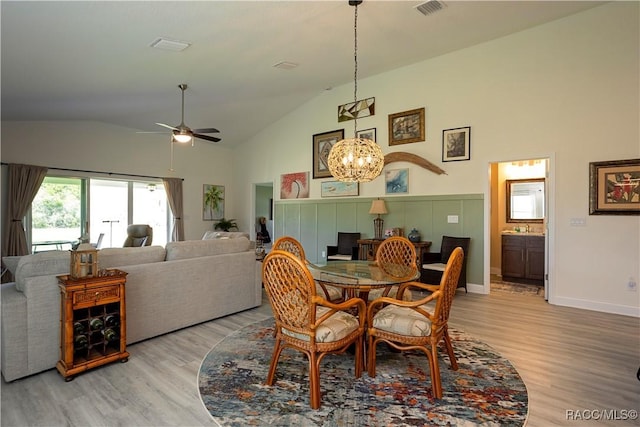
x=358, y=278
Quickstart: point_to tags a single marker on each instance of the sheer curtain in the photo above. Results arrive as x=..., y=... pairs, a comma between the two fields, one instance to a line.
x=173, y=187
x=23, y=184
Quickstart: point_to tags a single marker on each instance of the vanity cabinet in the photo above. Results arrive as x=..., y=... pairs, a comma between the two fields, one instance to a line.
x=523, y=258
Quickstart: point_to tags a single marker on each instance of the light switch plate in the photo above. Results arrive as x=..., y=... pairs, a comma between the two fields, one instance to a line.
x=452, y=219
x=578, y=222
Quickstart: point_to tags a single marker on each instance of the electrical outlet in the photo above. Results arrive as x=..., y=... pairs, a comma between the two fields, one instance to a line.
x=324, y=254
x=632, y=285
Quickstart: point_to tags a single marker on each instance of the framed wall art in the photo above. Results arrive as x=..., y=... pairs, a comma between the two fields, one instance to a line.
x=614, y=187
x=367, y=134
x=396, y=181
x=212, y=202
x=294, y=185
x=456, y=144
x=338, y=189
x=356, y=110
x=406, y=127
x=322, y=143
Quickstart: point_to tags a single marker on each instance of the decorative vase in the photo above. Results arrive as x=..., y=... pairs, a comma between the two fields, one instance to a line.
x=414, y=236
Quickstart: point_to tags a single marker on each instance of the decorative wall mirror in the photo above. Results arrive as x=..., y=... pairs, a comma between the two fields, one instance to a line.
x=525, y=200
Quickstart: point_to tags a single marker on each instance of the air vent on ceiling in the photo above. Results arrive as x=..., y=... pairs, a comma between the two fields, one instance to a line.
x=285, y=65
x=429, y=7
x=167, y=44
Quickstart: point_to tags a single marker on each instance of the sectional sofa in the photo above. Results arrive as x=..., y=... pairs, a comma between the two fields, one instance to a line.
x=168, y=288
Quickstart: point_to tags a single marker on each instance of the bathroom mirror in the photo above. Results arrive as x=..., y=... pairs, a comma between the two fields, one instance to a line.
x=525, y=200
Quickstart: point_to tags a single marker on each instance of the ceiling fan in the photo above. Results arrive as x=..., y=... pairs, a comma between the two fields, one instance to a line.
x=182, y=133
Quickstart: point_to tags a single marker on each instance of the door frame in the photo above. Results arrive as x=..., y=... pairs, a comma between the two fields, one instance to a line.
x=549, y=224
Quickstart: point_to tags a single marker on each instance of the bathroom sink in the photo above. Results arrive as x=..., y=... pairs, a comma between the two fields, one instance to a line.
x=523, y=233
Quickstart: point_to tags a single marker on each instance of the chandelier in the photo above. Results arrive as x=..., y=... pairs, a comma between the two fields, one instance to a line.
x=355, y=159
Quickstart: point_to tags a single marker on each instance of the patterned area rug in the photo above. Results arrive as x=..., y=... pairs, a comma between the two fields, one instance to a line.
x=486, y=390
x=498, y=285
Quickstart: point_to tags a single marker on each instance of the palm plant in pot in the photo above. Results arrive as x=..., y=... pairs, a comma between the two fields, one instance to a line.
x=226, y=224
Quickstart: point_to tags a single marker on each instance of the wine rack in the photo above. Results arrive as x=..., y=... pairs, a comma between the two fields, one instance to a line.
x=92, y=322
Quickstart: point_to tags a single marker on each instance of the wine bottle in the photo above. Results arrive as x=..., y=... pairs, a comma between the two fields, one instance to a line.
x=80, y=342
x=96, y=324
x=111, y=320
x=78, y=328
x=110, y=334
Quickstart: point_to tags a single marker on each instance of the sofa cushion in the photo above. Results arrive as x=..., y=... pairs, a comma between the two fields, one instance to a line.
x=209, y=247
x=117, y=257
x=224, y=235
x=42, y=264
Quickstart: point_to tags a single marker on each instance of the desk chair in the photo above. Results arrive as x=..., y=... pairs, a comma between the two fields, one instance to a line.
x=434, y=263
x=347, y=248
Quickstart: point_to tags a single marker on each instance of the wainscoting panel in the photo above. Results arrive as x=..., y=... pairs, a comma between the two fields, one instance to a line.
x=316, y=222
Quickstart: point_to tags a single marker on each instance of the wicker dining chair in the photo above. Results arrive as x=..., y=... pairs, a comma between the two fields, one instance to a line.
x=395, y=256
x=307, y=322
x=291, y=245
x=416, y=325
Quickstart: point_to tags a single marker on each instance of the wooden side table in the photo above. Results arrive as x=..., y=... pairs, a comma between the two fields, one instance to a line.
x=93, y=328
x=367, y=249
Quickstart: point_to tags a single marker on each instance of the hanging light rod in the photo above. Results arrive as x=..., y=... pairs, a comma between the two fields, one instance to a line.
x=355, y=159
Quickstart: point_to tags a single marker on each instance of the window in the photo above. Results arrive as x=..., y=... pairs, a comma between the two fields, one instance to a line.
x=66, y=208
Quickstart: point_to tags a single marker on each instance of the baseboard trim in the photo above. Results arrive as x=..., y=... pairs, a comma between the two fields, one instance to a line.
x=598, y=306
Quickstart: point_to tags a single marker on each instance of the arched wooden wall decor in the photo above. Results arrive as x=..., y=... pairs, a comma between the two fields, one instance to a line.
x=400, y=156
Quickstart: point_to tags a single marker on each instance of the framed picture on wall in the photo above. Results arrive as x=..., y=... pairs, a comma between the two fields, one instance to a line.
x=396, y=181
x=367, y=134
x=406, y=127
x=212, y=202
x=614, y=187
x=294, y=185
x=456, y=144
x=322, y=143
x=338, y=189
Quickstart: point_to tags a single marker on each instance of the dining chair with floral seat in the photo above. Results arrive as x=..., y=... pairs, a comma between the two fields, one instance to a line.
x=292, y=245
x=396, y=256
x=307, y=322
x=416, y=325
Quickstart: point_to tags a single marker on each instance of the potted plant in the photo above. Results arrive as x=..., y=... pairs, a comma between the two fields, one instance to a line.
x=226, y=224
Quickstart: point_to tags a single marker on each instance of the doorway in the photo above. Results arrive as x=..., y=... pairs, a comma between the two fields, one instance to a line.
x=263, y=202
x=500, y=173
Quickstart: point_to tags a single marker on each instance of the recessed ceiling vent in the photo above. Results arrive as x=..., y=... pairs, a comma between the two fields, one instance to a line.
x=167, y=44
x=429, y=7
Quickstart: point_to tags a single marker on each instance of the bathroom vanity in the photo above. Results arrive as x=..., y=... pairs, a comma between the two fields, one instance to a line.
x=523, y=257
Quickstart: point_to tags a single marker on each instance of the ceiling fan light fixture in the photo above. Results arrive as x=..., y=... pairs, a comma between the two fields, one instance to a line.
x=182, y=138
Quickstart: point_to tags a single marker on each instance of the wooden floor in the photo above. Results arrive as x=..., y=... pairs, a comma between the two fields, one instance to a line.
x=570, y=360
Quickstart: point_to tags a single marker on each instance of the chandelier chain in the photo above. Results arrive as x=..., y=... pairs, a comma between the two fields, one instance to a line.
x=355, y=68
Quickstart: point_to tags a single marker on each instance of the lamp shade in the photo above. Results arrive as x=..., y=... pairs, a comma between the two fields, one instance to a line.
x=182, y=137
x=378, y=207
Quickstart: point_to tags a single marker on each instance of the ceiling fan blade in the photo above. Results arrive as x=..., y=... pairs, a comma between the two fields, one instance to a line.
x=167, y=126
x=207, y=137
x=206, y=130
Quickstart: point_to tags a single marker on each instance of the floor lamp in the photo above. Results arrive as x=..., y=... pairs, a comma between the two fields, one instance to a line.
x=378, y=208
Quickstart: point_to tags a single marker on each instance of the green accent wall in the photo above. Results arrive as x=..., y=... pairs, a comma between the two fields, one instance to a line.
x=315, y=223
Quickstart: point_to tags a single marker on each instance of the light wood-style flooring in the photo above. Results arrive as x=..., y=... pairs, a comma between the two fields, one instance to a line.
x=570, y=360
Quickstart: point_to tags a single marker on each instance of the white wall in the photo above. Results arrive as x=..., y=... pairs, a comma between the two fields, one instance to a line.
x=101, y=147
x=567, y=90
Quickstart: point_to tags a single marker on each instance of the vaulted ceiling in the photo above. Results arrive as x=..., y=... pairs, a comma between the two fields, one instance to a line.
x=88, y=60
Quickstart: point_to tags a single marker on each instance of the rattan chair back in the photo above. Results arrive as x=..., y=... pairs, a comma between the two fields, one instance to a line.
x=448, y=286
x=397, y=256
x=289, y=244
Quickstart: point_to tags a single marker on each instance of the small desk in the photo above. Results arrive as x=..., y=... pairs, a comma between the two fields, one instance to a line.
x=369, y=247
x=358, y=278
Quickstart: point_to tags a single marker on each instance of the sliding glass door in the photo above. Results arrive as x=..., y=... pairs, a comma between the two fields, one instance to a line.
x=66, y=209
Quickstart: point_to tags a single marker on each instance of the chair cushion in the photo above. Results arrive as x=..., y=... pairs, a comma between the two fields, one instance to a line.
x=339, y=257
x=437, y=266
x=403, y=321
x=335, y=328
x=334, y=293
x=377, y=293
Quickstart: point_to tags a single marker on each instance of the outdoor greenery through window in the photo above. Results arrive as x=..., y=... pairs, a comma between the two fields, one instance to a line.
x=68, y=209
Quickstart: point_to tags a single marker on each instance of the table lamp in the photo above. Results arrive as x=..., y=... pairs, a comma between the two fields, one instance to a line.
x=378, y=208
